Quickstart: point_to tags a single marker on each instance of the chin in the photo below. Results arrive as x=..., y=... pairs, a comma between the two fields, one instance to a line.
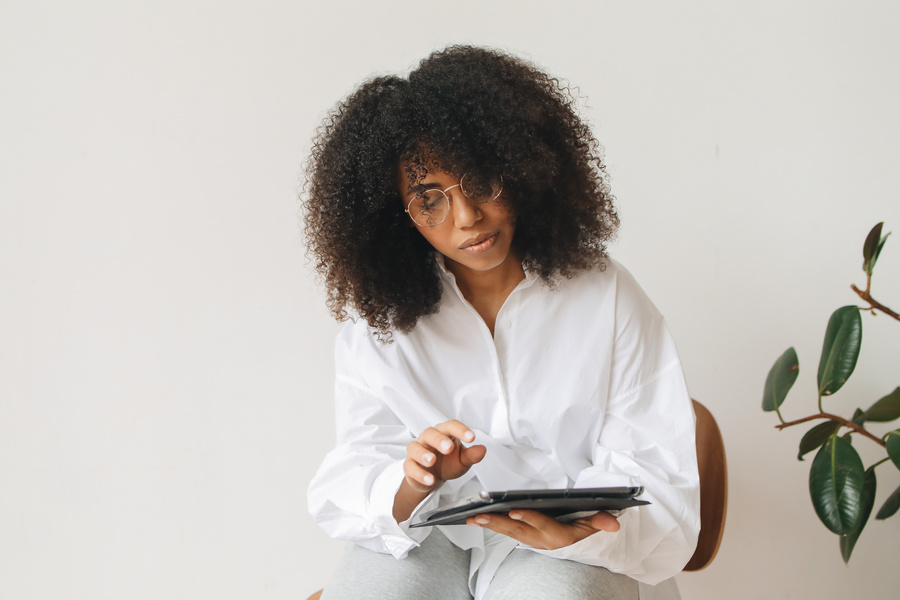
x=487, y=262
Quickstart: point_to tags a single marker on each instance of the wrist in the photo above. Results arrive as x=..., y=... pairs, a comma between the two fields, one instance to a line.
x=407, y=499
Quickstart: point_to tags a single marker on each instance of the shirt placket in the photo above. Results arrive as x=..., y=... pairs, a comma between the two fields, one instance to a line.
x=500, y=344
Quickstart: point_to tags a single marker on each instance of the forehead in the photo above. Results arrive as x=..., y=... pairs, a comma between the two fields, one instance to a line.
x=420, y=170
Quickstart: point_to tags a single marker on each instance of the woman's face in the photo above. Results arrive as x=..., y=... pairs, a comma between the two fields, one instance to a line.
x=474, y=237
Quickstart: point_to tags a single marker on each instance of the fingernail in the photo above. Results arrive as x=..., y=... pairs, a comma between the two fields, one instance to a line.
x=446, y=445
x=469, y=436
x=515, y=515
x=429, y=480
x=482, y=520
x=428, y=458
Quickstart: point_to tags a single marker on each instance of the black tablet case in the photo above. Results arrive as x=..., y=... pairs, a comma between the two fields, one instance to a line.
x=554, y=503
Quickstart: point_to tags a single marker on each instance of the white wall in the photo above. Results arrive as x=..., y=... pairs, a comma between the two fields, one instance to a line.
x=165, y=355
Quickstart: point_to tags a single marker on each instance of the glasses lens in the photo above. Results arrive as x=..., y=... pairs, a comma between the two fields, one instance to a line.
x=483, y=186
x=429, y=208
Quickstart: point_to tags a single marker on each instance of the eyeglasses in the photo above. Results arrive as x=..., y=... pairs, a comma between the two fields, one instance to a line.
x=429, y=208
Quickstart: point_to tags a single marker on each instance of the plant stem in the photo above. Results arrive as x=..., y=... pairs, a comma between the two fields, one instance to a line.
x=841, y=420
x=778, y=412
x=873, y=304
x=883, y=460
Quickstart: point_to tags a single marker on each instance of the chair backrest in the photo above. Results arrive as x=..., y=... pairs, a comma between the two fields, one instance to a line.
x=713, y=488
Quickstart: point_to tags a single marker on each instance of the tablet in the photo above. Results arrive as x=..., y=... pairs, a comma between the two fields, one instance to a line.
x=554, y=503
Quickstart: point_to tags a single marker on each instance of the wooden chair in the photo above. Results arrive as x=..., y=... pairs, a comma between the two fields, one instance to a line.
x=713, y=490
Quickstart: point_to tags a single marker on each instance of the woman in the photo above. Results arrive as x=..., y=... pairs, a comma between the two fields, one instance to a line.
x=459, y=218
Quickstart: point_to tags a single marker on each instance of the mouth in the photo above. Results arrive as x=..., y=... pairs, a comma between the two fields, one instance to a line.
x=480, y=243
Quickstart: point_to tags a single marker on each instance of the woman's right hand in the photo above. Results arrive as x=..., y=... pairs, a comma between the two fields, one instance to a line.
x=439, y=455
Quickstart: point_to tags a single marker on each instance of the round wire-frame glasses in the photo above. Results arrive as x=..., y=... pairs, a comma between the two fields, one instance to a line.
x=430, y=207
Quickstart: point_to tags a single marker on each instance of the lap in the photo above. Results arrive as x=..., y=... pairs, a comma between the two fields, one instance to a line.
x=526, y=575
x=436, y=570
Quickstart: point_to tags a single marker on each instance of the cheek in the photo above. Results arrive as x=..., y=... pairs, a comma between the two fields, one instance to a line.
x=432, y=237
x=505, y=213
x=504, y=209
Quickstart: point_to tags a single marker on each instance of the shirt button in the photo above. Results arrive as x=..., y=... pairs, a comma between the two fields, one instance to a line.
x=507, y=324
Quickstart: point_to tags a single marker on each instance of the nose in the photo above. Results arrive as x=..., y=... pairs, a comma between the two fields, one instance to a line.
x=465, y=213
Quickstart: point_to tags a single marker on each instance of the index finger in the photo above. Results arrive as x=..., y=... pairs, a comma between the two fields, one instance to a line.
x=456, y=429
x=600, y=521
x=536, y=519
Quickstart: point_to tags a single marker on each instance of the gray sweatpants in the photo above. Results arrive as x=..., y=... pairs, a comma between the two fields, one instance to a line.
x=438, y=570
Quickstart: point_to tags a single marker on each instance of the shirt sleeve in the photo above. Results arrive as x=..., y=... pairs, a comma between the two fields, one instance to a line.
x=647, y=438
x=352, y=494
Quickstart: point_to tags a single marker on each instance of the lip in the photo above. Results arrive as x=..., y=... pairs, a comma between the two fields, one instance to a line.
x=480, y=243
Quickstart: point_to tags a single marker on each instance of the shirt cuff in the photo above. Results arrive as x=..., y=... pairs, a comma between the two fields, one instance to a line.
x=398, y=538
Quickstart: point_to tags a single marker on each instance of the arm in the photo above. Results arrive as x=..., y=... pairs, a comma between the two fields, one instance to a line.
x=649, y=543
x=377, y=474
x=352, y=494
x=655, y=541
x=646, y=434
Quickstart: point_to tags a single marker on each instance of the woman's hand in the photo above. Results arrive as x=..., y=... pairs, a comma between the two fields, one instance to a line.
x=543, y=532
x=437, y=455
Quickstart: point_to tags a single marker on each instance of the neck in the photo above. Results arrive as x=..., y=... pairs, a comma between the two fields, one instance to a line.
x=486, y=291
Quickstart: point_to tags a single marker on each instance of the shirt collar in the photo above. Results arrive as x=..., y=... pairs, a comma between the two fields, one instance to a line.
x=530, y=276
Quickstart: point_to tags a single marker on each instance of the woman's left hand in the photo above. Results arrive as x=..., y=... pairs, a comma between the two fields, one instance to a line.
x=543, y=532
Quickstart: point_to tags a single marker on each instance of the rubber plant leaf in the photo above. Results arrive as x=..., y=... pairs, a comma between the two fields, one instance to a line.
x=836, y=482
x=890, y=506
x=859, y=417
x=817, y=436
x=781, y=378
x=848, y=541
x=870, y=247
x=878, y=251
x=892, y=442
x=840, y=350
x=886, y=409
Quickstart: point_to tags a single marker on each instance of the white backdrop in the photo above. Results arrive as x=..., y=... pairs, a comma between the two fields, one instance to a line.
x=165, y=353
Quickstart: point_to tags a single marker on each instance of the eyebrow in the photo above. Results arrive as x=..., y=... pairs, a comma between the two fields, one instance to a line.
x=421, y=187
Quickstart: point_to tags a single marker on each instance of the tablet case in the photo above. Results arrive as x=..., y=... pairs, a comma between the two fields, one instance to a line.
x=554, y=503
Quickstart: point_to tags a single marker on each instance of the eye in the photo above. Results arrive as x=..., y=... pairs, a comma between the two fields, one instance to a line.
x=427, y=202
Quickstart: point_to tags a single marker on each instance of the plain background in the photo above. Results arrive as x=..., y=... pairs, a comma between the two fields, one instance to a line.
x=165, y=353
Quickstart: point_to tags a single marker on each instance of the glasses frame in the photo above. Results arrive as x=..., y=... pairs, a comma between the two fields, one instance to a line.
x=450, y=200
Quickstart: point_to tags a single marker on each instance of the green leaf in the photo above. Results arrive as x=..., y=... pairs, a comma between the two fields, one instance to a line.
x=848, y=541
x=890, y=506
x=886, y=409
x=870, y=247
x=817, y=436
x=859, y=417
x=878, y=251
x=836, y=481
x=781, y=378
x=843, y=337
x=892, y=441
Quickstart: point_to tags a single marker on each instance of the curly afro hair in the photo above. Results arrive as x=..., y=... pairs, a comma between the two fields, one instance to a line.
x=462, y=108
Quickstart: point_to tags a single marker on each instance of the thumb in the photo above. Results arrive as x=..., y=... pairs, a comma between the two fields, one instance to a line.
x=605, y=522
x=471, y=455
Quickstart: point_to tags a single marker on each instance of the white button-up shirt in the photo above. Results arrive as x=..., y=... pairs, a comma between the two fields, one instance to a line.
x=580, y=386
